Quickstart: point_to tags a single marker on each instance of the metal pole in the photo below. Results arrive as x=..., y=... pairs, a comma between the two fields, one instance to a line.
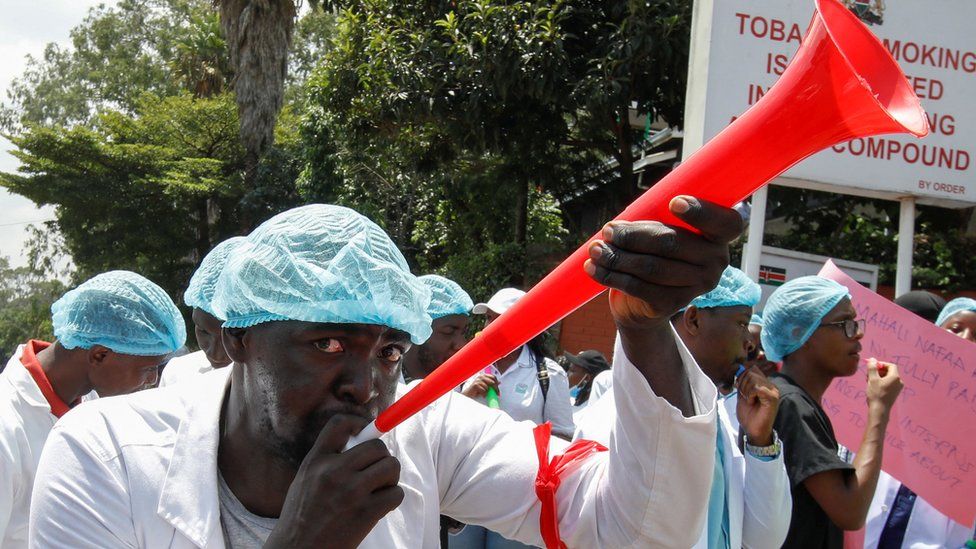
x=906, y=246
x=757, y=222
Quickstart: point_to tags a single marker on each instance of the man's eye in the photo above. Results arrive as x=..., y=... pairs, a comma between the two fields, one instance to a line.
x=329, y=345
x=393, y=354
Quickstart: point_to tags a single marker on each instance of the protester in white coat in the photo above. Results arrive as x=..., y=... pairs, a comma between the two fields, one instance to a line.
x=112, y=334
x=530, y=386
x=206, y=324
x=449, y=310
x=316, y=355
x=749, y=504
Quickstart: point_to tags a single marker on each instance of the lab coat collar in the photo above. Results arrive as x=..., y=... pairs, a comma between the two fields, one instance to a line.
x=23, y=383
x=189, y=497
x=524, y=360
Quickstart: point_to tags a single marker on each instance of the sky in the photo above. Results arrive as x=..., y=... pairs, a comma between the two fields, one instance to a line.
x=26, y=26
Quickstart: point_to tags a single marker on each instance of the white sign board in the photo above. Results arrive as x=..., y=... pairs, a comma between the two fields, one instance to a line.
x=740, y=47
x=778, y=266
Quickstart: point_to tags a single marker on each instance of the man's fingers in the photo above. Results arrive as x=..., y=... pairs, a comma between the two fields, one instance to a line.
x=716, y=223
x=747, y=386
x=654, y=238
x=769, y=393
x=387, y=499
x=337, y=432
x=364, y=455
x=650, y=268
x=659, y=298
x=381, y=474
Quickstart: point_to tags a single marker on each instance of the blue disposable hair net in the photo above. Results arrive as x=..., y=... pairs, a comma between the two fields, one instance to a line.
x=122, y=311
x=756, y=319
x=734, y=289
x=201, y=289
x=446, y=297
x=321, y=263
x=957, y=305
x=794, y=312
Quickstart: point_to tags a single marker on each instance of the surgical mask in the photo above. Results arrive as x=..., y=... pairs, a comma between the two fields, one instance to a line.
x=574, y=391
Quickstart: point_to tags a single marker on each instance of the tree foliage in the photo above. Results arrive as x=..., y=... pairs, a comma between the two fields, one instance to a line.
x=132, y=134
x=150, y=191
x=456, y=122
x=866, y=230
x=26, y=296
x=116, y=55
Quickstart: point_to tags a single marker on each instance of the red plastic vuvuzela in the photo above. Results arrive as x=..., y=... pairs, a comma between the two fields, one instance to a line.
x=841, y=84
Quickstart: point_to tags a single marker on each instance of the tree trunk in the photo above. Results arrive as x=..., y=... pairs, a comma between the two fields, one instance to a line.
x=625, y=160
x=522, y=225
x=203, y=228
x=258, y=34
x=251, y=162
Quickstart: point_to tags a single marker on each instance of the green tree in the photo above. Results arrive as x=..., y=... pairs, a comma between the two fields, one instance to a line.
x=134, y=121
x=25, y=306
x=455, y=113
x=863, y=229
x=116, y=55
x=150, y=191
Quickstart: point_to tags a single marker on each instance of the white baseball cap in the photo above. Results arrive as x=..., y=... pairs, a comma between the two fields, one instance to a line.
x=500, y=302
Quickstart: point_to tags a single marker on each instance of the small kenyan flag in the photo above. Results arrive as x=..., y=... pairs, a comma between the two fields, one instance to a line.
x=772, y=276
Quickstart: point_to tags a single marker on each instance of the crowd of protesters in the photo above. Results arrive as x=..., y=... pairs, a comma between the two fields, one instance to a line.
x=704, y=428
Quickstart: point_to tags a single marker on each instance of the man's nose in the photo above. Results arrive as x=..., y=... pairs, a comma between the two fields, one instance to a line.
x=357, y=384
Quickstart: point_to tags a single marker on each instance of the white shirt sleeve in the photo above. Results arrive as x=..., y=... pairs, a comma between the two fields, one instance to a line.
x=767, y=503
x=601, y=384
x=9, y=481
x=649, y=490
x=80, y=498
x=558, y=408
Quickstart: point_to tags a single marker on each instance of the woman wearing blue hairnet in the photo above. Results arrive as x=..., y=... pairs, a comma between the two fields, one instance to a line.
x=810, y=324
x=959, y=317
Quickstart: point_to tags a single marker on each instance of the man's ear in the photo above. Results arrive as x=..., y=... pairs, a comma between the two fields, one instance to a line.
x=97, y=355
x=691, y=320
x=235, y=342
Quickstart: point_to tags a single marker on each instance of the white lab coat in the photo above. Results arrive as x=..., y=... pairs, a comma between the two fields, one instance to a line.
x=141, y=471
x=927, y=528
x=601, y=384
x=759, y=500
x=520, y=395
x=25, y=422
x=185, y=367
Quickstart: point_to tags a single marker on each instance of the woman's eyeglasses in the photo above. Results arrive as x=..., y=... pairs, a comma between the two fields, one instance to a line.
x=851, y=327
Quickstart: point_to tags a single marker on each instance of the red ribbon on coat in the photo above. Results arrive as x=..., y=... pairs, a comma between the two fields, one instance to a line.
x=551, y=473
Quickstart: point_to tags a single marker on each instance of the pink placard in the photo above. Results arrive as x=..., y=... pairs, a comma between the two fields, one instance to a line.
x=930, y=444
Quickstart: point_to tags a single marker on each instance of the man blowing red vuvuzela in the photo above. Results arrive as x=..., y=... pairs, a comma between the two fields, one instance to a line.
x=319, y=308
